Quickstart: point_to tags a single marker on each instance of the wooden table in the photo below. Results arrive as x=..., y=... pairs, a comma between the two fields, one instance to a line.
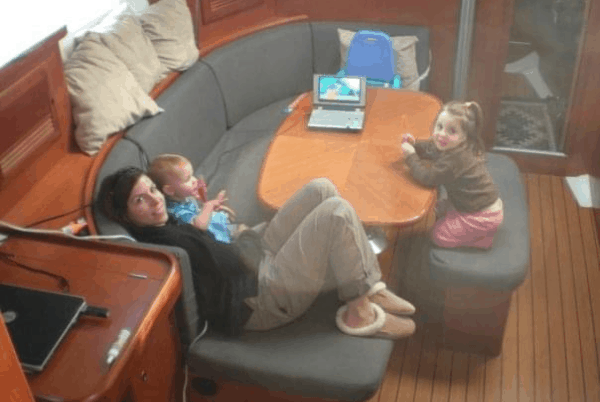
x=366, y=167
x=139, y=286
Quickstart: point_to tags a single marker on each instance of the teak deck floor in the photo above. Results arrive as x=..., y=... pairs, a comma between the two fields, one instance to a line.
x=552, y=339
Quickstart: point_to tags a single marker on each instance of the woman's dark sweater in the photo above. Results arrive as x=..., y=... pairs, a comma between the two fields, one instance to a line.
x=221, y=279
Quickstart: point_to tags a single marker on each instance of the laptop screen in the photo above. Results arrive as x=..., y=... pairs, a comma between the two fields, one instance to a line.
x=341, y=91
x=37, y=321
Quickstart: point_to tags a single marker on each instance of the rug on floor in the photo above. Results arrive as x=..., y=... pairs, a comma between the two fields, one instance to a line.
x=525, y=125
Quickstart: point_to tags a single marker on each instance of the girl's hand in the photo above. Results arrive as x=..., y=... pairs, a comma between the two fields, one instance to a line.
x=408, y=149
x=408, y=138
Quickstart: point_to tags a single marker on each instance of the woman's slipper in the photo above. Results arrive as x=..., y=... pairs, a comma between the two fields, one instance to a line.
x=380, y=295
x=386, y=326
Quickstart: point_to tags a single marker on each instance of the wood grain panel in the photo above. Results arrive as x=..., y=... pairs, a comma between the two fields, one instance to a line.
x=553, y=292
x=540, y=305
x=493, y=380
x=490, y=48
x=567, y=293
x=13, y=384
x=592, y=253
x=214, y=10
x=582, y=284
x=510, y=363
x=460, y=367
x=525, y=329
x=476, y=380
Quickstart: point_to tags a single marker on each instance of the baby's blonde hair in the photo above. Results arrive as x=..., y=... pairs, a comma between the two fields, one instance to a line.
x=470, y=116
x=162, y=169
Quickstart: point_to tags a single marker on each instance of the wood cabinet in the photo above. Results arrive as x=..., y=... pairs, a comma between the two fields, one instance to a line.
x=13, y=384
x=155, y=371
x=139, y=286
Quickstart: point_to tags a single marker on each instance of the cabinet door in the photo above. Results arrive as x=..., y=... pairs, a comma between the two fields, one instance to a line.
x=157, y=373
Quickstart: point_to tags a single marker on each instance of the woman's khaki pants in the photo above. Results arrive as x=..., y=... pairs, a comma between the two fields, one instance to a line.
x=315, y=243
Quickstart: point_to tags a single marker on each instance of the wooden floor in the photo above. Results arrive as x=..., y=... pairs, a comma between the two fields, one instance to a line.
x=552, y=339
x=550, y=350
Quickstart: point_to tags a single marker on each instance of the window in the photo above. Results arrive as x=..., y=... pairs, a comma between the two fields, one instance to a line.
x=213, y=10
x=25, y=24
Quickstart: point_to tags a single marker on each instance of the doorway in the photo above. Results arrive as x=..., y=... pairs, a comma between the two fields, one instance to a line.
x=538, y=75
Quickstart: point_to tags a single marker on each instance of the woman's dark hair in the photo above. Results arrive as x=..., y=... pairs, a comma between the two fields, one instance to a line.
x=114, y=193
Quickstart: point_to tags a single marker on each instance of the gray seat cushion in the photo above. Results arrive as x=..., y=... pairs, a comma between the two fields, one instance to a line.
x=309, y=357
x=235, y=163
x=505, y=265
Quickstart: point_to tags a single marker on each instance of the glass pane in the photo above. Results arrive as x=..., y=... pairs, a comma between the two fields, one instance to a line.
x=538, y=74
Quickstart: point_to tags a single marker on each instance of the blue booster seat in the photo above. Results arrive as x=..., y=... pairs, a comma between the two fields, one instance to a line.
x=371, y=55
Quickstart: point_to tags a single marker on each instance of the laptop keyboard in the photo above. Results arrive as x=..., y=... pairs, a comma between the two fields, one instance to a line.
x=350, y=119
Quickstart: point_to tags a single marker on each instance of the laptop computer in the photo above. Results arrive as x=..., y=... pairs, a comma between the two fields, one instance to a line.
x=338, y=103
x=37, y=321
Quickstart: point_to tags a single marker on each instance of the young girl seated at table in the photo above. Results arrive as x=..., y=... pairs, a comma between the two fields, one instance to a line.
x=454, y=157
x=186, y=197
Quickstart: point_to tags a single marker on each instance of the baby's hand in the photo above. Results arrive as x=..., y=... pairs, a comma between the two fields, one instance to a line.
x=221, y=198
x=202, y=189
x=228, y=211
x=408, y=138
x=407, y=148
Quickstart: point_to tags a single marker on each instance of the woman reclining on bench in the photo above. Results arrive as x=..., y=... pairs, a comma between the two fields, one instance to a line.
x=263, y=282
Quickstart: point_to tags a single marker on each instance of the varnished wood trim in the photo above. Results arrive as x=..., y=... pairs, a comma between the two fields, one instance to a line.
x=165, y=83
x=215, y=10
x=237, y=27
x=90, y=182
x=28, y=145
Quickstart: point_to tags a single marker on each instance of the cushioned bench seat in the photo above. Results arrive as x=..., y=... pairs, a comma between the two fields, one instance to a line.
x=504, y=266
x=308, y=357
x=222, y=114
x=478, y=283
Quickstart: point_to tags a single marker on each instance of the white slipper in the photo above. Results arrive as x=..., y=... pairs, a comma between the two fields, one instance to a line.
x=385, y=325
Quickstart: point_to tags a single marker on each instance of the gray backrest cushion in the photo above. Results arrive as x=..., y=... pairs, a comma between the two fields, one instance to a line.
x=326, y=44
x=193, y=121
x=258, y=70
x=124, y=153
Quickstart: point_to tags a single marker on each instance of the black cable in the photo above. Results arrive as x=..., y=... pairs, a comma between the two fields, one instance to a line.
x=142, y=154
x=44, y=220
x=214, y=73
x=63, y=282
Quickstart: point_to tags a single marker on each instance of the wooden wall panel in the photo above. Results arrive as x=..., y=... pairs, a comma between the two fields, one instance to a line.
x=583, y=127
x=488, y=56
x=13, y=384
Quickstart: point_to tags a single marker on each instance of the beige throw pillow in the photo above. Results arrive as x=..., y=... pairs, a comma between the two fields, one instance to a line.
x=105, y=96
x=126, y=39
x=405, y=49
x=168, y=24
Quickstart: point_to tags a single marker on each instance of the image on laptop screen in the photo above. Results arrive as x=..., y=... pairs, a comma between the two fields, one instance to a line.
x=339, y=89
